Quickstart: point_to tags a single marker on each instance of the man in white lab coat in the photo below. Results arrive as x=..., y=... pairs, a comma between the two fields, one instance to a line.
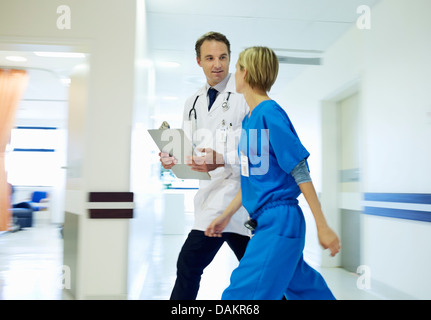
x=213, y=122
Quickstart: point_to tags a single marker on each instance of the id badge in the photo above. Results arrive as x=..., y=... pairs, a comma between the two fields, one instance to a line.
x=244, y=165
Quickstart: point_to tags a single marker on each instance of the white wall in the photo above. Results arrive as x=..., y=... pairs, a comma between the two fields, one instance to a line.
x=390, y=65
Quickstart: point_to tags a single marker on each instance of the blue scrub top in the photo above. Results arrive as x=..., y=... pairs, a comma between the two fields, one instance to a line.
x=273, y=148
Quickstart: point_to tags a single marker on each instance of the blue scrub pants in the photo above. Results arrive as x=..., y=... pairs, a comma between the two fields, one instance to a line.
x=273, y=263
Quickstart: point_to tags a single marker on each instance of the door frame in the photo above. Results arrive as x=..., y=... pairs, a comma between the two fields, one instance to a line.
x=330, y=199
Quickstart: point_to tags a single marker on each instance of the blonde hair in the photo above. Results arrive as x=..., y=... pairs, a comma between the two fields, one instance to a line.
x=261, y=64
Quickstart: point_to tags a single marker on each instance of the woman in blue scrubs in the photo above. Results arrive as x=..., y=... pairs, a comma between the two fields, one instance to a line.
x=274, y=172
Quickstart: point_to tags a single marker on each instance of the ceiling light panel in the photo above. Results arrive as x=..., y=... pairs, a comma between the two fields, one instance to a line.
x=16, y=58
x=59, y=54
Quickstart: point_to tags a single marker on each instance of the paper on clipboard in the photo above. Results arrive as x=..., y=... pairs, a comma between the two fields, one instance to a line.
x=174, y=142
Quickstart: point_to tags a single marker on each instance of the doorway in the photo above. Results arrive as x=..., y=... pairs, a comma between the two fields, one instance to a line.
x=32, y=257
x=36, y=154
x=341, y=172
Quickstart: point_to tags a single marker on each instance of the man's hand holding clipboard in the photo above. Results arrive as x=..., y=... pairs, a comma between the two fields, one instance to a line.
x=176, y=153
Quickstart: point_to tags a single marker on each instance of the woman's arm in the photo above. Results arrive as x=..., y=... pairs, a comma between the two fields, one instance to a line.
x=327, y=237
x=218, y=224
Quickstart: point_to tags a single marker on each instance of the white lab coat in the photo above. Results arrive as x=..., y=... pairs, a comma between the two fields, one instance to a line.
x=218, y=129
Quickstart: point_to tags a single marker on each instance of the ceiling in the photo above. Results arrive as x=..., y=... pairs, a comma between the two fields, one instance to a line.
x=294, y=28
x=45, y=99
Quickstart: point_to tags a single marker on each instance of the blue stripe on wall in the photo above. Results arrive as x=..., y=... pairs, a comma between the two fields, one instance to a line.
x=422, y=198
x=32, y=150
x=399, y=213
x=416, y=198
x=36, y=128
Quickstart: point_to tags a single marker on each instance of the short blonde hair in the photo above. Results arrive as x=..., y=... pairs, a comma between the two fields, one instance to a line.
x=261, y=64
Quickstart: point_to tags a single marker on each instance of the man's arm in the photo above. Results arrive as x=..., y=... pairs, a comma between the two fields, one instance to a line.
x=167, y=161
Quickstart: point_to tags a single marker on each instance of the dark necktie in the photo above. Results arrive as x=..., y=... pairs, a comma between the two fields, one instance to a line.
x=212, y=94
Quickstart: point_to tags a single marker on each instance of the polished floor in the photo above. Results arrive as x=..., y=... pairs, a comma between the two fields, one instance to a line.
x=31, y=264
x=31, y=268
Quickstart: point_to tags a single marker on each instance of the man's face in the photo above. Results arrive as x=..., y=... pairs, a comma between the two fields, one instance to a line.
x=214, y=61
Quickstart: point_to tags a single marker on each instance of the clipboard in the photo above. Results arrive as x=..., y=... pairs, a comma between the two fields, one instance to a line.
x=176, y=143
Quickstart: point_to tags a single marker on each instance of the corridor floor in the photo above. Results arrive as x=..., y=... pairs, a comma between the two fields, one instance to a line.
x=31, y=267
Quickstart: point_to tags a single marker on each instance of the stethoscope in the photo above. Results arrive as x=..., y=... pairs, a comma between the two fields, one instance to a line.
x=225, y=106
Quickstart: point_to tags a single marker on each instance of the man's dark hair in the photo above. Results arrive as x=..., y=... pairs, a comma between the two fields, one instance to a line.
x=211, y=36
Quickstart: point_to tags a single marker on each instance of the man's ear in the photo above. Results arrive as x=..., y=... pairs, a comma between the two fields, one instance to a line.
x=198, y=61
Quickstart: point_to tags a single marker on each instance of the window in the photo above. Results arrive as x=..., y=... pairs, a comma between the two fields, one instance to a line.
x=35, y=156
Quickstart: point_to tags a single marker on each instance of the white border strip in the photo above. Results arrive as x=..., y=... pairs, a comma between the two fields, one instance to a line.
x=110, y=205
x=398, y=205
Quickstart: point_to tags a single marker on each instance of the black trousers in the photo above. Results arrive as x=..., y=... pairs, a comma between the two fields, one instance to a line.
x=196, y=254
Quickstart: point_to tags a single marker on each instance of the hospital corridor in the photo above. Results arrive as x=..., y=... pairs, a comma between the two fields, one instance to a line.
x=97, y=97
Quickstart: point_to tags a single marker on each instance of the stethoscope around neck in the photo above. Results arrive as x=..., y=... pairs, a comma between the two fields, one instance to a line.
x=225, y=106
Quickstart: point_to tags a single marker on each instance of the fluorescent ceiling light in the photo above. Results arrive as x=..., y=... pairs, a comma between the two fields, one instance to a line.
x=60, y=54
x=16, y=58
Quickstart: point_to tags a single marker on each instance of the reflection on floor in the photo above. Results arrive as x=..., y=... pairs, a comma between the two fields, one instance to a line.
x=160, y=275
x=31, y=264
x=31, y=268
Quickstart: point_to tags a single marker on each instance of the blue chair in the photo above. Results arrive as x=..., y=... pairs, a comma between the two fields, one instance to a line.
x=37, y=200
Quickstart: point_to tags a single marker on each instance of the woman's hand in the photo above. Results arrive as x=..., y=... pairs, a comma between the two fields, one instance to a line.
x=217, y=226
x=208, y=161
x=329, y=240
